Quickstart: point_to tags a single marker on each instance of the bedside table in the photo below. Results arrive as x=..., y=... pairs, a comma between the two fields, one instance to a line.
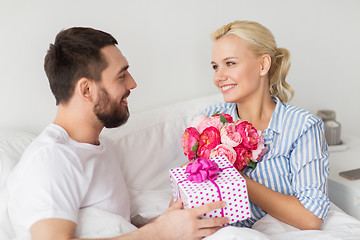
x=343, y=192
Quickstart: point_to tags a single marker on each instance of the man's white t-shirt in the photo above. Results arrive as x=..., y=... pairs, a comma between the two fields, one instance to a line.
x=57, y=176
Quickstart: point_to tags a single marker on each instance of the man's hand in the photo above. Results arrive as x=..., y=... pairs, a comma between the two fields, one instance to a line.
x=177, y=223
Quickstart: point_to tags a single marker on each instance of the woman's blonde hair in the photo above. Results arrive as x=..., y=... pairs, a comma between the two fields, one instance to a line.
x=261, y=41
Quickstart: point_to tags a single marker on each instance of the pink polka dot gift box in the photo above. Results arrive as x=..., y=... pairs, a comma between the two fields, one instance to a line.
x=210, y=180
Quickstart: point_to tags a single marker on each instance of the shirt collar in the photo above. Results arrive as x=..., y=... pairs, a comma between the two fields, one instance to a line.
x=276, y=120
x=275, y=124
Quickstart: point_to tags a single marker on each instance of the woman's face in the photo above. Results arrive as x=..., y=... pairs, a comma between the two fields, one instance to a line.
x=237, y=70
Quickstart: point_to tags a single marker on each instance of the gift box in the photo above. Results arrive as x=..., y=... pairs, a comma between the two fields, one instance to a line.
x=228, y=185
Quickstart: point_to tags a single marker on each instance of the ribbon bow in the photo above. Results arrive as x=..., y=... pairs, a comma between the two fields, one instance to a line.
x=202, y=169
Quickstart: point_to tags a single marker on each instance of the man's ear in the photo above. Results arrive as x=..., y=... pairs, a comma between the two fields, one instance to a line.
x=265, y=64
x=85, y=89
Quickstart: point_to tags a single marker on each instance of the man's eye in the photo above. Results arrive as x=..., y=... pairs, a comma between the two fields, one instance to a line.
x=122, y=76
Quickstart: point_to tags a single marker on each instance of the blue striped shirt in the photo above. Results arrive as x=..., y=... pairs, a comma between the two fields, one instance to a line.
x=296, y=162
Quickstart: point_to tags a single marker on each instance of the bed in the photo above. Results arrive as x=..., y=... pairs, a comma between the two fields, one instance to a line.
x=148, y=146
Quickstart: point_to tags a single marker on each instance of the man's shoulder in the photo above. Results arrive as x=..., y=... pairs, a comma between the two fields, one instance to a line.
x=50, y=136
x=48, y=145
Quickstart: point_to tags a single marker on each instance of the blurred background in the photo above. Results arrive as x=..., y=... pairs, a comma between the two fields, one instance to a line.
x=167, y=44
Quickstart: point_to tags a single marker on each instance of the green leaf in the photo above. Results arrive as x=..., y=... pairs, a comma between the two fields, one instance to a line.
x=215, y=113
x=195, y=147
x=252, y=164
x=223, y=119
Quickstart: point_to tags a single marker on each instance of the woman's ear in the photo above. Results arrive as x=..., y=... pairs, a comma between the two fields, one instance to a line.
x=85, y=89
x=265, y=64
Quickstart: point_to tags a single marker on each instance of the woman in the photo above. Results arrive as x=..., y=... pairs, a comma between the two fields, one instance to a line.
x=289, y=183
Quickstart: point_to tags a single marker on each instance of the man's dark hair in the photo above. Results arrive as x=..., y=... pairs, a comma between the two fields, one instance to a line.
x=75, y=54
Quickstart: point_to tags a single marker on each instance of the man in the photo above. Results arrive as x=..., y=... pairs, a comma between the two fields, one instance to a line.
x=68, y=166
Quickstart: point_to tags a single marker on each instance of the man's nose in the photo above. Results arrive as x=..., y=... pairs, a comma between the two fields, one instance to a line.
x=132, y=84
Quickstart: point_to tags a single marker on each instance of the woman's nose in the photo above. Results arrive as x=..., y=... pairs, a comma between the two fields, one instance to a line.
x=220, y=75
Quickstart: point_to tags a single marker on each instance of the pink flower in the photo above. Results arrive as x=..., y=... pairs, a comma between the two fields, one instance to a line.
x=228, y=117
x=243, y=157
x=259, y=151
x=213, y=121
x=250, y=136
x=223, y=149
x=208, y=140
x=229, y=136
x=218, y=135
x=189, y=138
x=197, y=120
x=202, y=169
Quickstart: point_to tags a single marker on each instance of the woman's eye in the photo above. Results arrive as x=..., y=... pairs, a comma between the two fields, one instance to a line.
x=215, y=67
x=230, y=63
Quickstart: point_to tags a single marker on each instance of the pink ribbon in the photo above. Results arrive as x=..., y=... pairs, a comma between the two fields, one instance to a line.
x=204, y=169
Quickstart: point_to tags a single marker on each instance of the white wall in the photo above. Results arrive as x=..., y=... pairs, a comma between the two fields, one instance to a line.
x=168, y=47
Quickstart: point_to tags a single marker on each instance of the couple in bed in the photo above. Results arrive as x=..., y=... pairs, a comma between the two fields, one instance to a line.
x=69, y=167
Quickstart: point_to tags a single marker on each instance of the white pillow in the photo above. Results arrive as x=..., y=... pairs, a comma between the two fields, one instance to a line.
x=96, y=223
x=12, y=145
x=150, y=204
x=150, y=143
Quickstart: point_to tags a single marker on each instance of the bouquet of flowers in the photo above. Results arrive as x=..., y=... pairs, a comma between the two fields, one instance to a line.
x=209, y=137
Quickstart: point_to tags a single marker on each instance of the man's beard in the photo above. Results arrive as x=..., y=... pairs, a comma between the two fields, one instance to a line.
x=115, y=116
